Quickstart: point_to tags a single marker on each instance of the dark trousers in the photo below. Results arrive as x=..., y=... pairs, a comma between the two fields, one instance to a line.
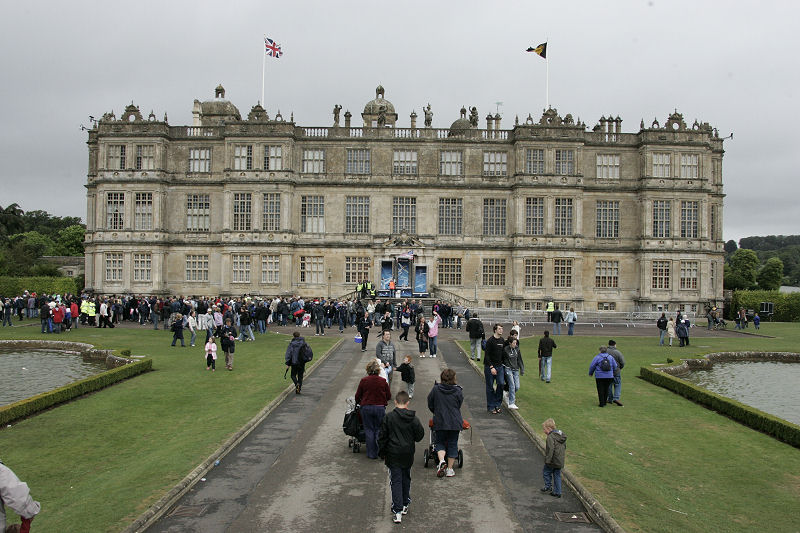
x=494, y=395
x=297, y=375
x=364, y=335
x=400, y=483
x=603, y=389
x=177, y=336
x=404, y=335
x=211, y=362
x=372, y=415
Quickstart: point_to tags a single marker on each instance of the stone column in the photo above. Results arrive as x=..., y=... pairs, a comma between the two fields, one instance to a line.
x=347, y=117
x=413, y=120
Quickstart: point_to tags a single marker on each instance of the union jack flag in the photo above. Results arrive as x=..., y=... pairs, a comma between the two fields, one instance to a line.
x=273, y=48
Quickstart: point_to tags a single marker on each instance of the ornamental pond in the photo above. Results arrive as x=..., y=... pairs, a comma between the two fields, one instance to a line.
x=26, y=372
x=771, y=386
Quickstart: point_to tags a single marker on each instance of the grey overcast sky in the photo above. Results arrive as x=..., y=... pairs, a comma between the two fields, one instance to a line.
x=730, y=63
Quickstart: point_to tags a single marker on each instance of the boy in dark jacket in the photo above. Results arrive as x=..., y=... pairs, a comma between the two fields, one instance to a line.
x=407, y=373
x=177, y=330
x=400, y=429
x=555, y=452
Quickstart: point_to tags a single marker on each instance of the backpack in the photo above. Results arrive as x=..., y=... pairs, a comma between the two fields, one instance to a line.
x=306, y=354
x=605, y=365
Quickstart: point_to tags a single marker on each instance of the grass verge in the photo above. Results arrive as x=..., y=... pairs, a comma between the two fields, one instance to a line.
x=662, y=463
x=97, y=462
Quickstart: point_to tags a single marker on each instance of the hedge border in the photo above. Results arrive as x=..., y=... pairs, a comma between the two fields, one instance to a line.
x=36, y=404
x=667, y=377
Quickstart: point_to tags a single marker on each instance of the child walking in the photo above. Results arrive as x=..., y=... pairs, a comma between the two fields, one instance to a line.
x=554, y=455
x=400, y=430
x=211, y=355
x=407, y=374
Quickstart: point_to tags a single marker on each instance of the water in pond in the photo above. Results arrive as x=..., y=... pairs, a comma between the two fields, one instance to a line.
x=770, y=386
x=28, y=372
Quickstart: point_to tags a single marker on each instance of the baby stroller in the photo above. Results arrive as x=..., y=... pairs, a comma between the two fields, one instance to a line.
x=430, y=454
x=352, y=425
x=720, y=323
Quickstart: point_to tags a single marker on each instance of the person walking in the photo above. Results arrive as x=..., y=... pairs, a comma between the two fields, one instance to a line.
x=476, y=336
x=227, y=334
x=372, y=395
x=386, y=353
x=405, y=323
x=298, y=353
x=444, y=401
x=620, y=359
x=364, y=323
x=177, y=330
x=433, y=332
x=399, y=432
x=493, y=370
x=602, y=368
x=557, y=318
x=661, y=324
x=546, y=347
x=421, y=329
x=211, y=354
x=571, y=319
x=671, y=330
x=514, y=367
x=192, y=323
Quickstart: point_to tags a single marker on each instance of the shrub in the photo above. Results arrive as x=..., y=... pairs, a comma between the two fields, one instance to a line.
x=786, y=308
x=749, y=416
x=40, y=402
x=38, y=284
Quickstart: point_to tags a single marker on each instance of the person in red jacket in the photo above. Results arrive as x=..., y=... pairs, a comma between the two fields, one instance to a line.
x=372, y=395
x=58, y=318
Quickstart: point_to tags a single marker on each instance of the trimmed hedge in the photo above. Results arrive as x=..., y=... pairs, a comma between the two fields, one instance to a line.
x=786, y=308
x=40, y=402
x=39, y=284
x=749, y=416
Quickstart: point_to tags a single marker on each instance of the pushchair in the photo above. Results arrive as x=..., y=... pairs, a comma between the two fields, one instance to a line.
x=720, y=323
x=429, y=454
x=352, y=425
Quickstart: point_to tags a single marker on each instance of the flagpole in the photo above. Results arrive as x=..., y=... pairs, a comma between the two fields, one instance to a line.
x=263, y=71
x=547, y=82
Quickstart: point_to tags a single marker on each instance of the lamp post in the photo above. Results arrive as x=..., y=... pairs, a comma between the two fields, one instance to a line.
x=329, y=284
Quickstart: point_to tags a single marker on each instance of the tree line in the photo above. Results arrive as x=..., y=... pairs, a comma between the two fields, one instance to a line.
x=26, y=237
x=762, y=262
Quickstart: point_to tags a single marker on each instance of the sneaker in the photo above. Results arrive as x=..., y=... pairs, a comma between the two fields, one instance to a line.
x=554, y=495
x=398, y=517
x=405, y=510
x=442, y=470
x=513, y=406
x=546, y=489
x=450, y=472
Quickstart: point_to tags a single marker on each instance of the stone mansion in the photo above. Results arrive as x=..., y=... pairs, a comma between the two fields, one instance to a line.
x=547, y=210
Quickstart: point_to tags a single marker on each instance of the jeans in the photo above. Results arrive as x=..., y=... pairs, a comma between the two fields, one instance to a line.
x=555, y=474
x=556, y=328
x=512, y=378
x=475, y=349
x=547, y=363
x=155, y=320
x=320, y=326
x=569, y=328
x=262, y=326
x=432, y=345
x=7, y=318
x=45, y=328
x=372, y=416
x=175, y=338
x=400, y=483
x=617, y=387
x=410, y=389
x=661, y=334
x=193, y=338
x=494, y=395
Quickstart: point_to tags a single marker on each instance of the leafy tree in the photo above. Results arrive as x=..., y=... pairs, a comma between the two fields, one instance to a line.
x=70, y=240
x=730, y=246
x=771, y=274
x=36, y=243
x=11, y=220
x=740, y=272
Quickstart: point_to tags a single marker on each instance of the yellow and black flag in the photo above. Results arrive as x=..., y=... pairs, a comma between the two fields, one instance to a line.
x=540, y=50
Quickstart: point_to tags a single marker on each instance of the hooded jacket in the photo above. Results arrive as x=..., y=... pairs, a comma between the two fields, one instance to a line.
x=555, y=449
x=400, y=429
x=444, y=401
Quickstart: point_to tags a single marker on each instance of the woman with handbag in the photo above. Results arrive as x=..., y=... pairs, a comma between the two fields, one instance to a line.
x=422, y=334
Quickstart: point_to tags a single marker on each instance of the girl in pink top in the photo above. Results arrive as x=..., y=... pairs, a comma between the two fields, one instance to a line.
x=211, y=355
x=433, y=331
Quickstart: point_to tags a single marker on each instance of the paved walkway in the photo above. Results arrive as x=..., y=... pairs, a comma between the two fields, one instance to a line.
x=295, y=472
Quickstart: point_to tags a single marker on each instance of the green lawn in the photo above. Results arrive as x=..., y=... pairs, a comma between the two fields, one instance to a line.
x=98, y=462
x=662, y=463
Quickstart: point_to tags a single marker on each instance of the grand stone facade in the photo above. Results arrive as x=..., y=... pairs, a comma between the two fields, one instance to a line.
x=549, y=209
